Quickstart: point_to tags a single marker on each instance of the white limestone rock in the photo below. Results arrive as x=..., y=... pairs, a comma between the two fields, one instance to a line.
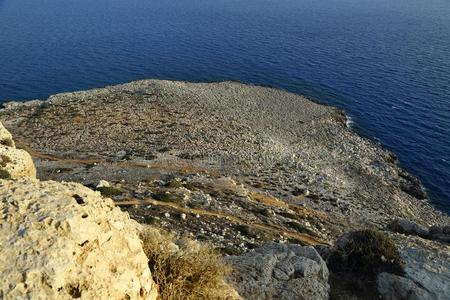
x=103, y=183
x=16, y=163
x=394, y=287
x=6, y=137
x=63, y=241
x=280, y=271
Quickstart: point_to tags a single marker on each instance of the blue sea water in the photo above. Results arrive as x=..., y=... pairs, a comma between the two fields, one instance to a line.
x=386, y=62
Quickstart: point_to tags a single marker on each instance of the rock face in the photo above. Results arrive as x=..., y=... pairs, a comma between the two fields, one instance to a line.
x=14, y=163
x=426, y=271
x=63, y=241
x=280, y=271
x=6, y=137
x=393, y=287
x=408, y=227
x=439, y=233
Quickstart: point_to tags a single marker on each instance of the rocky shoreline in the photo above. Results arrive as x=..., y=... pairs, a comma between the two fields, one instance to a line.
x=234, y=165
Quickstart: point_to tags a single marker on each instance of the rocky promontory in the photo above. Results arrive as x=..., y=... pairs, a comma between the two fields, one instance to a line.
x=244, y=168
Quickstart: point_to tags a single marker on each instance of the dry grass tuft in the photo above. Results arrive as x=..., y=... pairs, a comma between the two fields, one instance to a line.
x=185, y=269
x=268, y=200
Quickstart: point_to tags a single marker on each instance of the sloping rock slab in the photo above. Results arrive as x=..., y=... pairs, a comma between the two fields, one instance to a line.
x=394, y=287
x=426, y=272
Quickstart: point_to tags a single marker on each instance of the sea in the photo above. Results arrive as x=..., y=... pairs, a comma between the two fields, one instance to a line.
x=385, y=62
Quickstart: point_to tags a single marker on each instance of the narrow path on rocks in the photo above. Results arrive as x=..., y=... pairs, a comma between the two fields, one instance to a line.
x=179, y=165
x=302, y=238
x=45, y=156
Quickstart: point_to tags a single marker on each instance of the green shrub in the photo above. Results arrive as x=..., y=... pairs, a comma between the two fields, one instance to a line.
x=190, y=186
x=108, y=191
x=5, y=175
x=165, y=149
x=173, y=184
x=245, y=230
x=151, y=220
x=230, y=251
x=166, y=197
x=4, y=160
x=300, y=228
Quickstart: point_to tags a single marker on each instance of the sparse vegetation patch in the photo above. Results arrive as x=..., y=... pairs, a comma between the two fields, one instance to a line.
x=185, y=269
x=109, y=191
x=367, y=252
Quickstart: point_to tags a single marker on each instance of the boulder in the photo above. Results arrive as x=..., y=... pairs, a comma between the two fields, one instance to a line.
x=429, y=268
x=280, y=271
x=103, y=183
x=394, y=287
x=440, y=233
x=199, y=198
x=408, y=227
x=426, y=274
x=15, y=163
x=63, y=241
x=6, y=137
x=411, y=185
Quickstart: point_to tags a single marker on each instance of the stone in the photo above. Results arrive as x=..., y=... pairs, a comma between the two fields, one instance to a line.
x=6, y=137
x=394, y=287
x=280, y=271
x=429, y=268
x=200, y=198
x=440, y=233
x=121, y=155
x=63, y=240
x=411, y=185
x=14, y=163
x=408, y=227
x=103, y=183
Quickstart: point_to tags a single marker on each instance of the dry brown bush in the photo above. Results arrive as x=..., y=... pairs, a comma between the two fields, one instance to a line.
x=185, y=269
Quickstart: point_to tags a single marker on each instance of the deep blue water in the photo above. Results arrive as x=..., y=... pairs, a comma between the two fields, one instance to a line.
x=386, y=62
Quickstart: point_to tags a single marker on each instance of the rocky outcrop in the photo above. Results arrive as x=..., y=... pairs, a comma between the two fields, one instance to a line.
x=426, y=272
x=394, y=287
x=6, y=137
x=280, y=271
x=438, y=233
x=14, y=163
x=63, y=240
x=408, y=227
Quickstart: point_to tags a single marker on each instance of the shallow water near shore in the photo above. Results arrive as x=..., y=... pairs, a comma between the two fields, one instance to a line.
x=386, y=63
